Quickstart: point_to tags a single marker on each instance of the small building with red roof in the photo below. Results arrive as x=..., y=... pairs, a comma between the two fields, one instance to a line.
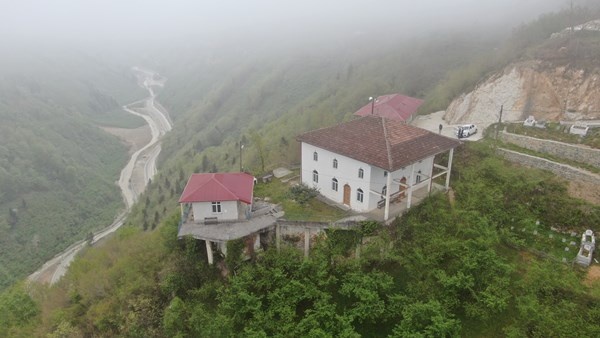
x=394, y=106
x=216, y=197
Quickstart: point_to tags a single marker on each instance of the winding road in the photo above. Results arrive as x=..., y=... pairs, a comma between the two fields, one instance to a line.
x=142, y=163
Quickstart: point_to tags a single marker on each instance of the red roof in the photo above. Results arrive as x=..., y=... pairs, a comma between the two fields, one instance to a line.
x=218, y=187
x=385, y=143
x=394, y=106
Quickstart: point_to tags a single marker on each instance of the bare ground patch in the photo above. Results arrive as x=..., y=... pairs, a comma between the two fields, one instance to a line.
x=134, y=139
x=586, y=191
x=593, y=275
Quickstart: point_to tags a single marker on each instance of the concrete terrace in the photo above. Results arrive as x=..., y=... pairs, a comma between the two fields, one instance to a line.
x=226, y=231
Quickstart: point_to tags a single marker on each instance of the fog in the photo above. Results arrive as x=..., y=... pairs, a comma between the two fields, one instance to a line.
x=156, y=21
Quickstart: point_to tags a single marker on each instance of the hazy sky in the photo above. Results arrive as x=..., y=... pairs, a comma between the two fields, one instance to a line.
x=129, y=19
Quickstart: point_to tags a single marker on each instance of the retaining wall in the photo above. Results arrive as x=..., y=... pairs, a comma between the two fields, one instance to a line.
x=577, y=153
x=563, y=170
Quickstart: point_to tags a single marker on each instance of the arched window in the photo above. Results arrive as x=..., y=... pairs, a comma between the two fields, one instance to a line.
x=335, y=163
x=315, y=176
x=384, y=190
x=334, y=184
x=418, y=177
x=359, y=195
x=315, y=156
x=361, y=173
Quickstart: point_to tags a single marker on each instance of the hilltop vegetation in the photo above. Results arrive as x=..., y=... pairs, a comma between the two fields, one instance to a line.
x=447, y=268
x=57, y=168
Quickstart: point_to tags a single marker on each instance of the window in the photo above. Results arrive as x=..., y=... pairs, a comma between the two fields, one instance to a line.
x=359, y=195
x=384, y=173
x=361, y=173
x=216, y=207
x=315, y=176
x=419, y=176
x=315, y=156
x=335, y=163
x=334, y=184
x=384, y=190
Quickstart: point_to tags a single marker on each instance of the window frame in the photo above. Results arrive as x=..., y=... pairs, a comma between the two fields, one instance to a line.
x=361, y=173
x=315, y=156
x=335, y=163
x=360, y=195
x=216, y=207
x=315, y=176
x=334, y=184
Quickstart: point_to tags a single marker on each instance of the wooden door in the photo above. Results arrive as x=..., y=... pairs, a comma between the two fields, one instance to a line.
x=347, y=195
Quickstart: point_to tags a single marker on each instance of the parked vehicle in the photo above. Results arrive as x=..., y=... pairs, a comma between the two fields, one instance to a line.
x=466, y=130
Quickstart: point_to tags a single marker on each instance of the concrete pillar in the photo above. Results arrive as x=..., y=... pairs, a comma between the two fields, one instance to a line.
x=388, y=184
x=278, y=237
x=449, y=168
x=209, y=252
x=431, y=176
x=411, y=182
x=306, y=242
x=181, y=208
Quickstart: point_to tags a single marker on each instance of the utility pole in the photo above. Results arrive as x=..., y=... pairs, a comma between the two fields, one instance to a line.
x=499, y=123
x=372, y=99
x=241, y=148
x=571, y=19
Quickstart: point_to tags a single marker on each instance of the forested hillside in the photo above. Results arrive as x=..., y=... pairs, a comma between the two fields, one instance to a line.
x=57, y=168
x=450, y=267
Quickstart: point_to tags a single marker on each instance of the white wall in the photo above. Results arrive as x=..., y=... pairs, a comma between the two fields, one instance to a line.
x=229, y=211
x=347, y=173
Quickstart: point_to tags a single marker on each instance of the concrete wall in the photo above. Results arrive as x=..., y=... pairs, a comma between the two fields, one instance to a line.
x=229, y=211
x=582, y=154
x=566, y=171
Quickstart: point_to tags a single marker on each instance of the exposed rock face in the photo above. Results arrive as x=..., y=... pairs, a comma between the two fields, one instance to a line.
x=593, y=26
x=535, y=88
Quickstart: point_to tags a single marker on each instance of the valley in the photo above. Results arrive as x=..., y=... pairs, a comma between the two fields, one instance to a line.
x=139, y=170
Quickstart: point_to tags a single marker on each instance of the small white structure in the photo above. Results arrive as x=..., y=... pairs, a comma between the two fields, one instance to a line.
x=367, y=162
x=586, y=251
x=219, y=197
x=530, y=122
x=579, y=129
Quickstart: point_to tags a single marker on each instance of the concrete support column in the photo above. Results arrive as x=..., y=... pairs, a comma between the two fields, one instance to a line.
x=181, y=208
x=306, y=242
x=278, y=237
x=209, y=252
x=388, y=184
x=411, y=182
x=449, y=168
x=430, y=176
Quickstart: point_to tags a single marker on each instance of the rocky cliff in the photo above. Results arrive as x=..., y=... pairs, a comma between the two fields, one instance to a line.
x=537, y=88
x=559, y=81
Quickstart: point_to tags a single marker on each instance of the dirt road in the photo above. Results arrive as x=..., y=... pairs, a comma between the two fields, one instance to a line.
x=140, y=169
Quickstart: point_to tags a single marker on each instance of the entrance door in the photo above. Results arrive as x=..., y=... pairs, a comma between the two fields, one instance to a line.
x=347, y=194
x=402, y=188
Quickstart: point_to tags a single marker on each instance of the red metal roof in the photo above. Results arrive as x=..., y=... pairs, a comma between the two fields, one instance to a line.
x=393, y=106
x=218, y=187
x=385, y=143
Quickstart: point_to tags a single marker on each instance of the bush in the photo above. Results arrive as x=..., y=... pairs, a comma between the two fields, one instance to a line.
x=302, y=193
